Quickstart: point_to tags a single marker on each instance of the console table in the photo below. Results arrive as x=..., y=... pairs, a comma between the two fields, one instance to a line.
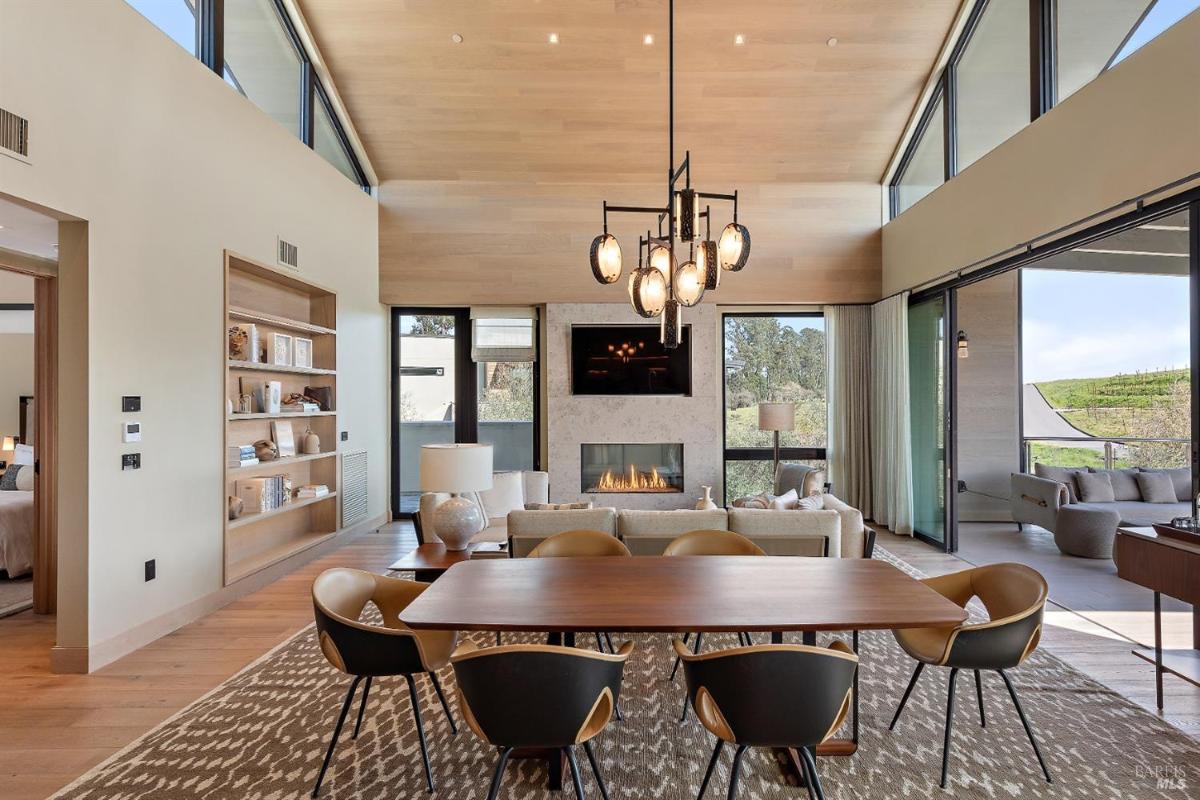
x=1170, y=567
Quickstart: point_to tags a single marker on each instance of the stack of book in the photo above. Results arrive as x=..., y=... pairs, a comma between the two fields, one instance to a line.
x=262, y=494
x=240, y=456
x=312, y=490
x=300, y=408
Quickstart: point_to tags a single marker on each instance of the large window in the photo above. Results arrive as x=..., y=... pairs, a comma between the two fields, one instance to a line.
x=255, y=47
x=992, y=80
x=772, y=358
x=1013, y=62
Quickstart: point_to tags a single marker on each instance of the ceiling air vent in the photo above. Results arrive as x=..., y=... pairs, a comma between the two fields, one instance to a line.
x=14, y=134
x=289, y=254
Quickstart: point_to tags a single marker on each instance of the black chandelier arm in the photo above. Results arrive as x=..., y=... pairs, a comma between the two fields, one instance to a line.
x=733, y=198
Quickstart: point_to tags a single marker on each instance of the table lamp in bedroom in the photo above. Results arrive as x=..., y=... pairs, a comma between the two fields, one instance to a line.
x=457, y=469
x=9, y=443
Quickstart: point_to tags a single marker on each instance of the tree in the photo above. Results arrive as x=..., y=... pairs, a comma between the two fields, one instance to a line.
x=431, y=325
x=507, y=392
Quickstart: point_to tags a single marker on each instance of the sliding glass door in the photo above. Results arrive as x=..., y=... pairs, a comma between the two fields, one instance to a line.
x=929, y=367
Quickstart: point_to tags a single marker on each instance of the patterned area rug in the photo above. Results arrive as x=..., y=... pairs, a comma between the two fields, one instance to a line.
x=262, y=734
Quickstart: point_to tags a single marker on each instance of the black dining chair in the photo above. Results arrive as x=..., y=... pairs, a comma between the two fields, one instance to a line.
x=1015, y=597
x=777, y=695
x=539, y=696
x=367, y=651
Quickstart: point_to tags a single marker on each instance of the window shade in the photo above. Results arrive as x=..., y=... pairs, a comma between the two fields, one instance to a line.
x=503, y=334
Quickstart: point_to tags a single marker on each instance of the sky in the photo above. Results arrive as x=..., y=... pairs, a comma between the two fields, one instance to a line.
x=1094, y=324
x=1163, y=15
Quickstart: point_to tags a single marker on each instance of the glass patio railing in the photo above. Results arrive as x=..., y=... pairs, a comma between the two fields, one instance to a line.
x=1107, y=453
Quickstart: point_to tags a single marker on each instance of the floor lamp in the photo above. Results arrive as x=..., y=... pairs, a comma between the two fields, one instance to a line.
x=776, y=417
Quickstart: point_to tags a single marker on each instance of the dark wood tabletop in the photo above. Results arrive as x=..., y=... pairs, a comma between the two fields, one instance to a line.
x=698, y=593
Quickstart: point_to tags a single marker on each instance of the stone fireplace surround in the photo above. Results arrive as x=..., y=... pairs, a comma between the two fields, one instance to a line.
x=574, y=420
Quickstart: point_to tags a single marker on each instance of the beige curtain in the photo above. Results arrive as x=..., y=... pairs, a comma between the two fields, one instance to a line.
x=848, y=384
x=891, y=445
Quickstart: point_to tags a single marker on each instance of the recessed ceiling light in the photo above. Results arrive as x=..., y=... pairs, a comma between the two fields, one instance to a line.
x=1, y=227
x=554, y=38
x=739, y=39
x=456, y=38
x=832, y=41
x=648, y=38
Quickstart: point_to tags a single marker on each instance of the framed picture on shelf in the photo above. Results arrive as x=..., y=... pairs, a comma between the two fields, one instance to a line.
x=285, y=439
x=281, y=349
x=303, y=355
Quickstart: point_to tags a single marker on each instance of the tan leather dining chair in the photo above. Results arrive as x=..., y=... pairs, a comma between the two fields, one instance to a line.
x=710, y=543
x=779, y=695
x=1015, y=597
x=368, y=651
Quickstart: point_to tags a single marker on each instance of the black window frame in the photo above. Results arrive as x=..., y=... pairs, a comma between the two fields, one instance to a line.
x=466, y=390
x=766, y=453
x=210, y=50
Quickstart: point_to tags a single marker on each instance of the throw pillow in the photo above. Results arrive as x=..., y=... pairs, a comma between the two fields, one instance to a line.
x=25, y=480
x=558, y=506
x=1095, y=487
x=1124, y=483
x=8, y=481
x=814, y=502
x=1156, y=487
x=754, y=501
x=785, y=501
x=507, y=494
x=1182, y=478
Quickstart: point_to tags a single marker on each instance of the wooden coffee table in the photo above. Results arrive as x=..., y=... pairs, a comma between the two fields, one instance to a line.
x=430, y=561
x=671, y=594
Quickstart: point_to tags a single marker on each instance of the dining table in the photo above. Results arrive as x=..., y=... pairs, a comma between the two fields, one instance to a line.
x=661, y=594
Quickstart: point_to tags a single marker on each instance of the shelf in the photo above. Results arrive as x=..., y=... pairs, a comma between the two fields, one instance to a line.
x=247, y=566
x=253, y=366
x=267, y=466
x=250, y=519
x=235, y=312
x=290, y=415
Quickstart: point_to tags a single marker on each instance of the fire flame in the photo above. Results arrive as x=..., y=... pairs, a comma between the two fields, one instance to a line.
x=635, y=481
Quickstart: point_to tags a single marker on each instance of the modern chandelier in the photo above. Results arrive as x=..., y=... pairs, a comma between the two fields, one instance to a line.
x=660, y=285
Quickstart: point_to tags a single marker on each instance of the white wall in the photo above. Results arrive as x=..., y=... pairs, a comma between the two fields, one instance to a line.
x=16, y=379
x=1130, y=131
x=572, y=420
x=169, y=166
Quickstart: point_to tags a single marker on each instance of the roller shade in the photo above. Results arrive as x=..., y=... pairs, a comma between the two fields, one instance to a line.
x=503, y=333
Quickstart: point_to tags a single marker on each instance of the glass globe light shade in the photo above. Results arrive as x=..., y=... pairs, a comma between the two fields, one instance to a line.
x=689, y=284
x=708, y=264
x=606, y=258
x=660, y=259
x=734, y=247
x=648, y=291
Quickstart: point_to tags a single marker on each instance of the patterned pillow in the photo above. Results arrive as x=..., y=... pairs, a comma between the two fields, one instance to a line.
x=8, y=481
x=754, y=501
x=814, y=502
x=558, y=506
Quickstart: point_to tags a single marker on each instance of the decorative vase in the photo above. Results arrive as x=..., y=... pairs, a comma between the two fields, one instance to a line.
x=310, y=443
x=236, y=506
x=228, y=406
x=456, y=521
x=706, y=503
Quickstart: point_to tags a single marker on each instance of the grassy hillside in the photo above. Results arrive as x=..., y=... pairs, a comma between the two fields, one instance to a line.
x=1140, y=390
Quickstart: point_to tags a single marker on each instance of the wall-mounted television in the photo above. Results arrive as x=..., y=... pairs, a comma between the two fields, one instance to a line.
x=629, y=360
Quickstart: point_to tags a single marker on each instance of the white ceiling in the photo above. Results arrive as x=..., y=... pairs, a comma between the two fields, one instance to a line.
x=27, y=231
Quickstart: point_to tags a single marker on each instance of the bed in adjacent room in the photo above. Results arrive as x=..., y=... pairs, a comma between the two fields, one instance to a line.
x=16, y=521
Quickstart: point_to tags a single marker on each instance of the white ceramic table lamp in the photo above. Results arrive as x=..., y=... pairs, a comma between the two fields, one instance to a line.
x=776, y=417
x=456, y=468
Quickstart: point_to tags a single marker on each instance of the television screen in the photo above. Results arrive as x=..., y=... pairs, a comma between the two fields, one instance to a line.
x=628, y=359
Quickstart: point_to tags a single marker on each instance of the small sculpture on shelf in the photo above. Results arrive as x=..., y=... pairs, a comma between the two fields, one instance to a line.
x=236, y=506
x=266, y=450
x=310, y=443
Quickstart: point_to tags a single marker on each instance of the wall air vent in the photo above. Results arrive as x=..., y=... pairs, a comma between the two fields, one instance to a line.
x=289, y=254
x=14, y=134
x=354, y=487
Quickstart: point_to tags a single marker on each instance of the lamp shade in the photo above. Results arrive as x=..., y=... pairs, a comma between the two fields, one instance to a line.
x=777, y=416
x=606, y=258
x=8, y=443
x=456, y=468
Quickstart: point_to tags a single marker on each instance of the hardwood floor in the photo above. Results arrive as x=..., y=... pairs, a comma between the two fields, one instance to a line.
x=54, y=728
x=1095, y=646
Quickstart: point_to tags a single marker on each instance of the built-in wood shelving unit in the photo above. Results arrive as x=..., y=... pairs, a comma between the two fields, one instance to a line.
x=278, y=301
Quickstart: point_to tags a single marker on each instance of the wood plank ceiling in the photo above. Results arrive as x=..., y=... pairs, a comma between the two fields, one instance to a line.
x=495, y=153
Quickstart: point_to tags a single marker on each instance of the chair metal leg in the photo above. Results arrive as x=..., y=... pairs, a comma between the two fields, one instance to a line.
x=683, y=715
x=499, y=639
x=736, y=771
x=575, y=779
x=416, y=708
x=949, y=724
x=814, y=780
x=979, y=694
x=608, y=640
x=600, y=643
x=591, y=754
x=337, y=731
x=362, y=707
x=903, y=700
x=498, y=776
x=808, y=779
x=712, y=763
x=1028, y=730
x=695, y=649
x=678, y=660
x=437, y=687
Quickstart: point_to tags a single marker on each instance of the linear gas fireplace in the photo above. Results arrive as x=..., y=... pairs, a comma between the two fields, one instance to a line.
x=631, y=468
